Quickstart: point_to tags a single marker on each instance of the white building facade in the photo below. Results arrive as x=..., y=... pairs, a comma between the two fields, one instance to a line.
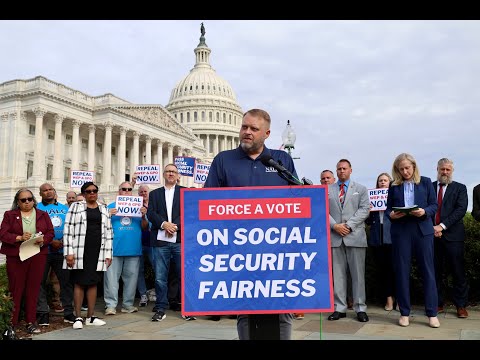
x=206, y=103
x=48, y=129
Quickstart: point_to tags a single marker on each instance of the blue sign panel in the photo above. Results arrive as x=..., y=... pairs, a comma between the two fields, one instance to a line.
x=185, y=165
x=256, y=250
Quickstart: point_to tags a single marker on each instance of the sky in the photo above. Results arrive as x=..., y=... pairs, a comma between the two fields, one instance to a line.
x=364, y=90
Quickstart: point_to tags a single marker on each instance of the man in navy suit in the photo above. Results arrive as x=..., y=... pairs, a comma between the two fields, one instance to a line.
x=476, y=203
x=165, y=234
x=450, y=236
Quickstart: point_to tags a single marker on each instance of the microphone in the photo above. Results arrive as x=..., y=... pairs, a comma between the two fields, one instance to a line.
x=268, y=161
x=307, y=181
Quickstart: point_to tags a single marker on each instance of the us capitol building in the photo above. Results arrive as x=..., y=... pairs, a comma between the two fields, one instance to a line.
x=48, y=129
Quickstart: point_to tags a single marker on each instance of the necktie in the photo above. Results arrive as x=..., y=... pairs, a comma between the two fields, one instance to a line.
x=439, y=200
x=341, y=195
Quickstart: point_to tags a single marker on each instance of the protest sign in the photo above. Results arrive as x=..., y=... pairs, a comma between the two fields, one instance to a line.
x=129, y=205
x=201, y=172
x=147, y=174
x=378, y=199
x=255, y=250
x=185, y=165
x=78, y=178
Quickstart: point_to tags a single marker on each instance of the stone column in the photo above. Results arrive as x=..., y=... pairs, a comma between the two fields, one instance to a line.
x=224, y=143
x=169, y=153
x=107, y=156
x=75, y=149
x=121, y=154
x=91, y=148
x=58, y=153
x=38, y=156
x=136, y=151
x=180, y=153
x=14, y=158
x=4, y=144
x=190, y=178
x=130, y=158
x=215, y=145
x=233, y=142
x=160, y=154
x=148, y=150
x=207, y=146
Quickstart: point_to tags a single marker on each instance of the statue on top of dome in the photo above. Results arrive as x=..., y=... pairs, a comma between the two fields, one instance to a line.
x=202, y=29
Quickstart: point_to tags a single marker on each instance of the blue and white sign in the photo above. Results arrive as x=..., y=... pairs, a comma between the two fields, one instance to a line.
x=129, y=206
x=256, y=250
x=201, y=173
x=185, y=165
x=80, y=177
x=148, y=174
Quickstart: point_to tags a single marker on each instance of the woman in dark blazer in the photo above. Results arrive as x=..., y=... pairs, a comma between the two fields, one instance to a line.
x=412, y=232
x=24, y=277
x=380, y=244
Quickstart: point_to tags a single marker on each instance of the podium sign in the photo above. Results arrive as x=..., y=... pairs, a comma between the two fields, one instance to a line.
x=255, y=250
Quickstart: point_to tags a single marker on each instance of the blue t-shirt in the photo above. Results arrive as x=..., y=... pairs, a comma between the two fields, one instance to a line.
x=231, y=168
x=57, y=214
x=127, y=234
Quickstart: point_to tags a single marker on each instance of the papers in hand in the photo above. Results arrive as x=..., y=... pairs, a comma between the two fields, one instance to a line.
x=28, y=248
x=165, y=236
x=405, y=209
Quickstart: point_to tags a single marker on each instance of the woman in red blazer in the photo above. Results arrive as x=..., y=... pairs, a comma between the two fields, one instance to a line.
x=24, y=277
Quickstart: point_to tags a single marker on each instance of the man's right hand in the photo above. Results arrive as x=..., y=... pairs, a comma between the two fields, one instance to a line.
x=56, y=244
x=70, y=260
x=341, y=229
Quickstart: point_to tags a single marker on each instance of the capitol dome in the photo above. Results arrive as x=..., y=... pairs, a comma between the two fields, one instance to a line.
x=206, y=103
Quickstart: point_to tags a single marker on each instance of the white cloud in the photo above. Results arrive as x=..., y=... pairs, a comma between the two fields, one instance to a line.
x=364, y=90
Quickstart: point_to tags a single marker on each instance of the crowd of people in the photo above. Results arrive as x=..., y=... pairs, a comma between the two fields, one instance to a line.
x=84, y=242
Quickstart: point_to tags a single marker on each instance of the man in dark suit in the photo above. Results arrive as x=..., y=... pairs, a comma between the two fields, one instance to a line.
x=476, y=203
x=450, y=236
x=164, y=214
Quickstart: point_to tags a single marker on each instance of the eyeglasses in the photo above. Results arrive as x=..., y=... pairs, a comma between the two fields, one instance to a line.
x=126, y=189
x=24, y=200
x=94, y=191
x=171, y=171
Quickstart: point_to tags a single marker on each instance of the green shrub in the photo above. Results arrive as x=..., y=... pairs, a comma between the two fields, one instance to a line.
x=472, y=269
x=6, y=303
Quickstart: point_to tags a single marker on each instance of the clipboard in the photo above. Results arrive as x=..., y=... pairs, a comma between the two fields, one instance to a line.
x=405, y=209
x=28, y=248
x=163, y=236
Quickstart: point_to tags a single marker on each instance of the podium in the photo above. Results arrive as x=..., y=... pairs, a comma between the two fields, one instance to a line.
x=264, y=327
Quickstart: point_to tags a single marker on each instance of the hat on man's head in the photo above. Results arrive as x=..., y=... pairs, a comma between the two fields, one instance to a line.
x=86, y=185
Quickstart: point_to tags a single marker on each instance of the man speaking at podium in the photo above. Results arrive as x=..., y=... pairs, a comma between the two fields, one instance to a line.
x=253, y=164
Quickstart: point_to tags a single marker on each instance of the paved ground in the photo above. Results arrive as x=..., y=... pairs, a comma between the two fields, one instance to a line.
x=382, y=326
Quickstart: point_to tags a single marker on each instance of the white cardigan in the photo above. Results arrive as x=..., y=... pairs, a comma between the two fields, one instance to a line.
x=74, y=235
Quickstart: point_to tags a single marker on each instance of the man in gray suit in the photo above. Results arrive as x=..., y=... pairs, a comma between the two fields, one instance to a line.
x=349, y=208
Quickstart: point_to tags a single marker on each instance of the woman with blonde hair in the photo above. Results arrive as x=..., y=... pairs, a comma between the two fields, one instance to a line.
x=411, y=204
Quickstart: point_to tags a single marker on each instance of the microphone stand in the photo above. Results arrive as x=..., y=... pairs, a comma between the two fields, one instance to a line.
x=267, y=326
x=290, y=178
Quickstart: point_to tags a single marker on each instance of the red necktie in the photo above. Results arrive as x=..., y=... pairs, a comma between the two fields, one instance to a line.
x=439, y=200
x=341, y=195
